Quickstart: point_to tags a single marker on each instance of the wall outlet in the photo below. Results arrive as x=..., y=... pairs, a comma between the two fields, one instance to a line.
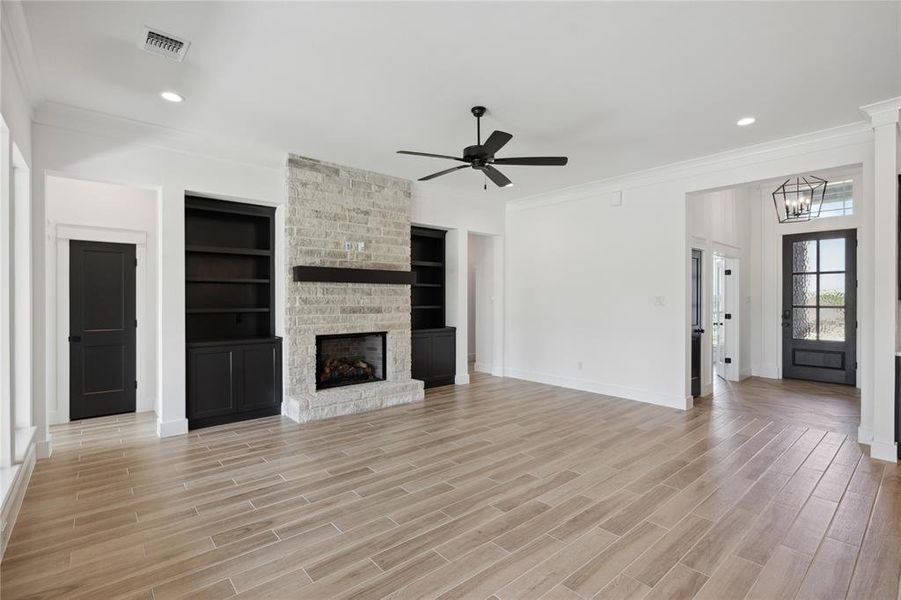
x=659, y=301
x=348, y=246
x=361, y=246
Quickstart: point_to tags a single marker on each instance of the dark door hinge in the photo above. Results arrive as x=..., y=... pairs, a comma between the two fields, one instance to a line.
x=728, y=271
x=727, y=360
x=727, y=316
x=136, y=384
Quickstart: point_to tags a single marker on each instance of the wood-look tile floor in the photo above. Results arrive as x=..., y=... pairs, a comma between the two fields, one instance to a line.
x=502, y=489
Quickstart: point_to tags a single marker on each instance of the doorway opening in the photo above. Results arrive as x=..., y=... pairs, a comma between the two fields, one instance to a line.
x=482, y=307
x=81, y=211
x=697, y=319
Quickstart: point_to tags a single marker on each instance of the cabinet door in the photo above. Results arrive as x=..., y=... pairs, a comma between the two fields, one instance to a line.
x=444, y=359
x=421, y=356
x=212, y=381
x=261, y=377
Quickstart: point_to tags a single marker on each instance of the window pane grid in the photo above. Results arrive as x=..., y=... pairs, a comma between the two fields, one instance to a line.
x=818, y=306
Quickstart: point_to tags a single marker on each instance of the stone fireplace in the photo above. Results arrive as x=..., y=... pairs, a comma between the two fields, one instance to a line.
x=331, y=207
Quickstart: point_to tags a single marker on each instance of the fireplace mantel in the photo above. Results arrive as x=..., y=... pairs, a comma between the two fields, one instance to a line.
x=344, y=275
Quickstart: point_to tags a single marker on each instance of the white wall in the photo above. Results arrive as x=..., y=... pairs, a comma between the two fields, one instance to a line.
x=88, y=210
x=607, y=286
x=18, y=452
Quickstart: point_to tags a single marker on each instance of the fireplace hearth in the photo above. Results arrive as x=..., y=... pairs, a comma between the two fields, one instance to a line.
x=350, y=359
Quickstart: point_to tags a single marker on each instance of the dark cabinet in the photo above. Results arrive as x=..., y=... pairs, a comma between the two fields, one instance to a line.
x=232, y=381
x=434, y=355
x=434, y=345
x=233, y=357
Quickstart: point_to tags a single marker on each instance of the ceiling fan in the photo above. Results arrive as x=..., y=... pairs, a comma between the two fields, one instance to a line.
x=481, y=156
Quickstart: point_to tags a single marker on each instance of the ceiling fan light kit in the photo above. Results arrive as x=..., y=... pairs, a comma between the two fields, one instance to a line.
x=481, y=156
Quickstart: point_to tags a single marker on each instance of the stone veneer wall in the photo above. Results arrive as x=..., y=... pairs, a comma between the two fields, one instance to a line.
x=329, y=204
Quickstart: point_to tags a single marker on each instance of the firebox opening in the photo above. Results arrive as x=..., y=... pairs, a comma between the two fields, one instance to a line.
x=350, y=359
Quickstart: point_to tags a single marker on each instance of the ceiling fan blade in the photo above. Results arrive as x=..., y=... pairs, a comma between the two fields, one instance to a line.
x=533, y=161
x=444, y=172
x=496, y=141
x=430, y=155
x=499, y=179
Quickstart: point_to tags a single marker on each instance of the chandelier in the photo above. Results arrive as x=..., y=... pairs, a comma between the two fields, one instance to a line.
x=800, y=199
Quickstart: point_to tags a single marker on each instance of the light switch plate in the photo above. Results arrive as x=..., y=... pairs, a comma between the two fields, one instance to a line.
x=348, y=246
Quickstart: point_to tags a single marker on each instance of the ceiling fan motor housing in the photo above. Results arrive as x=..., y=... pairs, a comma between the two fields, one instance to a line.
x=476, y=154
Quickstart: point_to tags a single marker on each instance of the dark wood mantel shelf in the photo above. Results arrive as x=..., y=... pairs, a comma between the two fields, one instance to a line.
x=342, y=275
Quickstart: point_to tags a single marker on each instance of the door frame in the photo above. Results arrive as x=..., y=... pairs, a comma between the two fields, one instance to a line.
x=59, y=281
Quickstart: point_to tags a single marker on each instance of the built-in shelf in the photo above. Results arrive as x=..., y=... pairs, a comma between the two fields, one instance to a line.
x=224, y=280
x=228, y=250
x=426, y=263
x=233, y=368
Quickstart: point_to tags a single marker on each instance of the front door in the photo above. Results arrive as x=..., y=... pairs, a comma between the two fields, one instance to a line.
x=697, y=330
x=819, y=308
x=101, y=329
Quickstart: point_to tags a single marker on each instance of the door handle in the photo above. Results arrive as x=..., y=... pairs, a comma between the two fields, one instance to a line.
x=699, y=331
x=75, y=339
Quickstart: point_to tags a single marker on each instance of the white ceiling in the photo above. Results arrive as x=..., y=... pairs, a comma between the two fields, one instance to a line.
x=618, y=87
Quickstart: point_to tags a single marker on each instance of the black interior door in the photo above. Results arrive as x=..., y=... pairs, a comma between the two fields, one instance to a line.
x=819, y=306
x=101, y=329
x=697, y=331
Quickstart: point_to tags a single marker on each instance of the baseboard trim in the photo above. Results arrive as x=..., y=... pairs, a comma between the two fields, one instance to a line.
x=166, y=429
x=44, y=448
x=461, y=379
x=483, y=367
x=766, y=372
x=887, y=451
x=617, y=391
x=864, y=435
x=9, y=512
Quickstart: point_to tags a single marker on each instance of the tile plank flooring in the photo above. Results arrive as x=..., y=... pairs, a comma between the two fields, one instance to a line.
x=502, y=489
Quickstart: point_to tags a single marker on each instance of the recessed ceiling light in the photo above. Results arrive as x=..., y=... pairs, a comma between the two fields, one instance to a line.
x=745, y=121
x=171, y=96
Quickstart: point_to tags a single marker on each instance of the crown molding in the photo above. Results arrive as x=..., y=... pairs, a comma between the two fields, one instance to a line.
x=17, y=42
x=884, y=112
x=843, y=135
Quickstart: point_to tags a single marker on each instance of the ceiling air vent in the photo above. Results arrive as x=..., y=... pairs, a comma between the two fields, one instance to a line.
x=164, y=44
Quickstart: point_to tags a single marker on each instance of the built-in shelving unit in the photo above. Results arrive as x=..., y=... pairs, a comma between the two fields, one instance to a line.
x=234, y=358
x=427, y=261
x=434, y=344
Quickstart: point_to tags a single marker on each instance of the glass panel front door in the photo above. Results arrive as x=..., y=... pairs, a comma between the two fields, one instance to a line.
x=818, y=306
